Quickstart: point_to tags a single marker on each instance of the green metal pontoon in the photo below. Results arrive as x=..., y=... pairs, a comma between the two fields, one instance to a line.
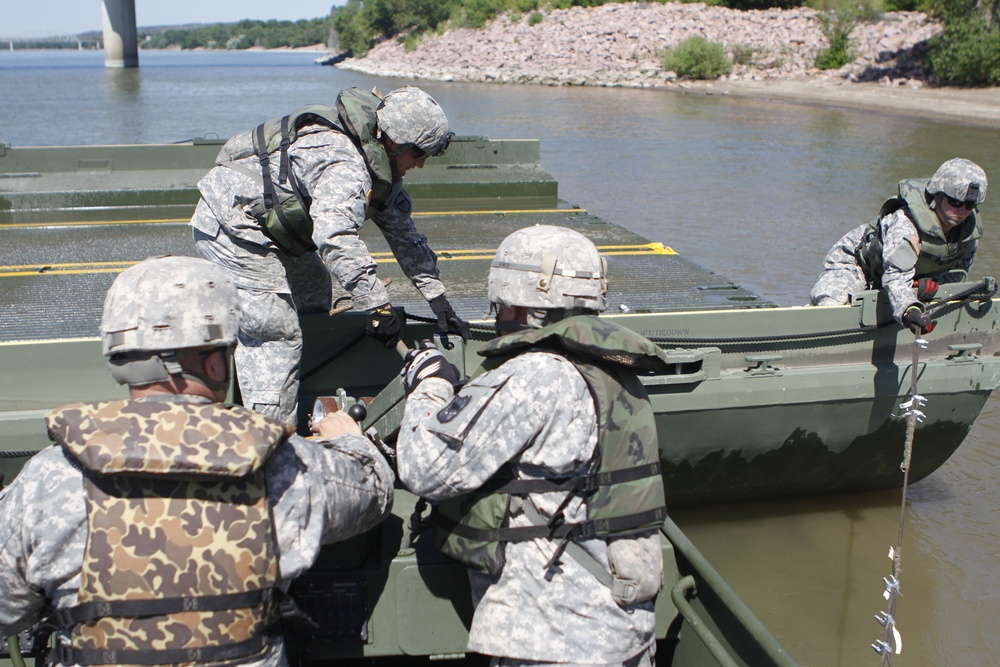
x=760, y=401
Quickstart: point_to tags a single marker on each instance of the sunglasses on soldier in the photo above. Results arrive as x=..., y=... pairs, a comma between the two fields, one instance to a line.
x=956, y=203
x=420, y=154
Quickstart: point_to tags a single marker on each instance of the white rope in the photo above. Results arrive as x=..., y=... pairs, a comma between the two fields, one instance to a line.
x=891, y=641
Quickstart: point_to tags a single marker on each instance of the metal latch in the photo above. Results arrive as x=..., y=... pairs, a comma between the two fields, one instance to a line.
x=763, y=366
x=963, y=353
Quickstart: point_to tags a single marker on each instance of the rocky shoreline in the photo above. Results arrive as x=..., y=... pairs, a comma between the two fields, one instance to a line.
x=618, y=45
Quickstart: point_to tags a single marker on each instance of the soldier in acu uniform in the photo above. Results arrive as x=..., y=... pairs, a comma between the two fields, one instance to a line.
x=165, y=528
x=281, y=213
x=925, y=236
x=544, y=472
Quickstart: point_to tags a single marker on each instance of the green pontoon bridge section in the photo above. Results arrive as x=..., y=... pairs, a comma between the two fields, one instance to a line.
x=82, y=183
x=72, y=218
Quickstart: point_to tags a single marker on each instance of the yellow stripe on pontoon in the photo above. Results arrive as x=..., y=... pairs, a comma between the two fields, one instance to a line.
x=21, y=270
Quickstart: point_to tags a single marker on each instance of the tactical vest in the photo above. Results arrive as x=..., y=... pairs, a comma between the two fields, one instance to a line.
x=285, y=218
x=936, y=254
x=624, y=492
x=180, y=563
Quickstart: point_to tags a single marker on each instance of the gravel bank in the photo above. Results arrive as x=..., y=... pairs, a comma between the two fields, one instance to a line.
x=618, y=45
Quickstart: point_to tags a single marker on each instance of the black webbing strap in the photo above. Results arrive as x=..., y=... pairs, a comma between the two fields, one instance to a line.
x=585, y=483
x=283, y=161
x=67, y=618
x=579, y=531
x=265, y=168
x=94, y=656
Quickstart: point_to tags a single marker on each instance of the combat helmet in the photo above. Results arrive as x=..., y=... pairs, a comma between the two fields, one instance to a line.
x=411, y=117
x=161, y=305
x=553, y=271
x=959, y=179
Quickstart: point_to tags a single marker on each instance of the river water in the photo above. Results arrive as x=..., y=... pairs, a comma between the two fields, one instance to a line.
x=757, y=191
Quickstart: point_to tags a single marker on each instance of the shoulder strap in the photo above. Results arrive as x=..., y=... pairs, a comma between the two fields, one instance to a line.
x=283, y=173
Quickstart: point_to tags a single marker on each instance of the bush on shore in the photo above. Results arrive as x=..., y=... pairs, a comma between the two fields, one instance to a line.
x=967, y=53
x=697, y=58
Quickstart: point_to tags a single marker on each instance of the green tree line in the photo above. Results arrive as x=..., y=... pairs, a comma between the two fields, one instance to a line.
x=242, y=35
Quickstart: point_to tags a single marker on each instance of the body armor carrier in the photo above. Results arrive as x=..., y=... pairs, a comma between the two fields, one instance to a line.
x=624, y=491
x=180, y=564
x=285, y=217
x=936, y=254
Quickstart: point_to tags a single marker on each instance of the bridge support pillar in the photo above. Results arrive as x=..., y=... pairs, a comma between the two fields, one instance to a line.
x=121, y=48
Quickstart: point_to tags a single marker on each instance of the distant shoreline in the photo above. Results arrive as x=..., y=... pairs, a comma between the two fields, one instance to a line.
x=617, y=45
x=970, y=107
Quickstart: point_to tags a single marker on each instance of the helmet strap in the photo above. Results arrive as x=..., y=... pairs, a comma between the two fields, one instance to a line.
x=139, y=371
x=162, y=367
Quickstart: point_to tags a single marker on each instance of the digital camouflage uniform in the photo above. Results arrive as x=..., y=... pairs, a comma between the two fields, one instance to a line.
x=908, y=231
x=536, y=412
x=273, y=284
x=534, y=418
x=317, y=491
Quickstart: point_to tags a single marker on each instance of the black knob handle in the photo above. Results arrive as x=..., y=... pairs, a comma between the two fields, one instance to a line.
x=358, y=412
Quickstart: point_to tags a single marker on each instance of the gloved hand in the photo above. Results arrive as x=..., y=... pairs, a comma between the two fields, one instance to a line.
x=917, y=320
x=423, y=362
x=383, y=325
x=926, y=288
x=447, y=319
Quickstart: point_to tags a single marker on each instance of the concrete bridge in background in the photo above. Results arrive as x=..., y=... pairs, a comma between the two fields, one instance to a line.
x=121, y=46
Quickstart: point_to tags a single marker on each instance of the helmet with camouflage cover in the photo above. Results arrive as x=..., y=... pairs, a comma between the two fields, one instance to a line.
x=548, y=268
x=409, y=116
x=959, y=179
x=162, y=305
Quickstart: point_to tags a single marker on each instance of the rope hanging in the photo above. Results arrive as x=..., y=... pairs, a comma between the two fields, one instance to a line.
x=891, y=641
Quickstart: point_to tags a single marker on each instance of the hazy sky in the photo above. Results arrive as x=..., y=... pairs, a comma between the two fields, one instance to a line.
x=43, y=18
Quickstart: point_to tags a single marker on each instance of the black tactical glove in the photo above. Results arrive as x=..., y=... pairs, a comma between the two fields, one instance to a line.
x=926, y=288
x=426, y=361
x=447, y=319
x=383, y=325
x=917, y=320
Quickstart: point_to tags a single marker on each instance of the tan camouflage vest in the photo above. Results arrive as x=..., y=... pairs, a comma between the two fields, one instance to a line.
x=180, y=564
x=936, y=254
x=624, y=494
x=285, y=219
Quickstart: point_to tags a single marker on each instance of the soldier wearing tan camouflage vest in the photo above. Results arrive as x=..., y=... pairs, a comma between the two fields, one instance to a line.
x=925, y=236
x=282, y=213
x=166, y=528
x=544, y=472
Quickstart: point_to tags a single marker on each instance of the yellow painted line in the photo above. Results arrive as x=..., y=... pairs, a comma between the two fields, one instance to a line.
x=421, y=214
x=488, y=253
x=48, y=341
x=93, y=223
x=424, y=214
x=23, y=270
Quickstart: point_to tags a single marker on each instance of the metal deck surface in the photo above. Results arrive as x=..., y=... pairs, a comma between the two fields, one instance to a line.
x=53, y=276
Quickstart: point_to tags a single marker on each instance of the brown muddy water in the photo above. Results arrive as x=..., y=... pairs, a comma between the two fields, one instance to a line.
x=756, y=191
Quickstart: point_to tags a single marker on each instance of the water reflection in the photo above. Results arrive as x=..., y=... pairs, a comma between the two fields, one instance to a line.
x=123, y=85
